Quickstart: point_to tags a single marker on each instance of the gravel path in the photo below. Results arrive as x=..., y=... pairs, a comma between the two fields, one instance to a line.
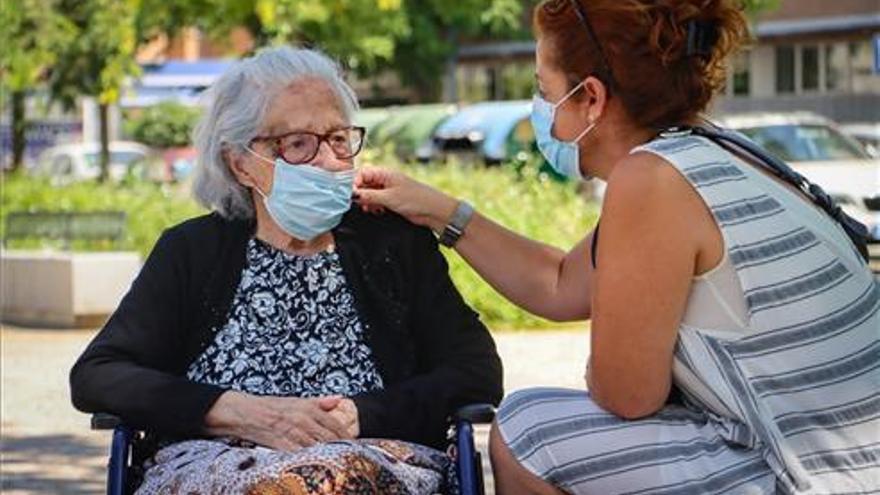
x=46, y=446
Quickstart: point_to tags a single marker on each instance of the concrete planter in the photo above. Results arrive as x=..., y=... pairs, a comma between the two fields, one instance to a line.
x=69, y=290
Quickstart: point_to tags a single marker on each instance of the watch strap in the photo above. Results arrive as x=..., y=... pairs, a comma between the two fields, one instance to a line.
x=455, y=228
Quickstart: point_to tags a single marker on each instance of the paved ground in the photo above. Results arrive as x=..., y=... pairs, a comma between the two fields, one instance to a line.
x=46, y=447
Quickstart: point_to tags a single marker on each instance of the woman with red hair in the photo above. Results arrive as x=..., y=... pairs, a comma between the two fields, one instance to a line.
x=734, y=335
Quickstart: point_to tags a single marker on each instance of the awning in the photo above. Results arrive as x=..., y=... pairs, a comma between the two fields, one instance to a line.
x=137, y=97
x=179, y=73
x=175, y=80
x=817, y=25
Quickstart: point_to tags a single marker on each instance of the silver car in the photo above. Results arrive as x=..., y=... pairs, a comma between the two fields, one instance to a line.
x=816, y=148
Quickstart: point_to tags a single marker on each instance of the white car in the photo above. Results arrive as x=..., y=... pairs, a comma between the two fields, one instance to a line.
x=80, y=161
x=816, y=148
x=867, y=134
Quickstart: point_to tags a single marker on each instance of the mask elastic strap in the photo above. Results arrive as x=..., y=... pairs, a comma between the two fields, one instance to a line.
x=568, y=95
x=261, y=157
x=585, y=132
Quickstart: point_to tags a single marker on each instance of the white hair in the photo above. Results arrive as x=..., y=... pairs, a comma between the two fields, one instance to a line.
x=235, y=106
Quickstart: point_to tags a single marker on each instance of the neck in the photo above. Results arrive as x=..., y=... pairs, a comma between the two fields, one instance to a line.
x=617, y=142
x=269, y=232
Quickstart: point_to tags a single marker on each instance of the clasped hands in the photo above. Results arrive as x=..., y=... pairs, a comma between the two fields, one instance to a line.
x=282, y=423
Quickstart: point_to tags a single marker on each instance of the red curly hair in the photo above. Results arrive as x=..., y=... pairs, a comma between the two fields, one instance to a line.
x=645, y=45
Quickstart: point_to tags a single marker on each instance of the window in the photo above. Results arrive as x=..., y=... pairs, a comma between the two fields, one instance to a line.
x=785, y=69
x=518, y=81
x=62, y=165
x=473, y=82
x=833, y=67
x=792, y=142
x=863, y=78
x=741, y=74
x=810, y=68
x=837, y=70
x=116, y=158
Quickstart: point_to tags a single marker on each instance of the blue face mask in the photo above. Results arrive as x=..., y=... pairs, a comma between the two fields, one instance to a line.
x=305, y=200
x=563, y=156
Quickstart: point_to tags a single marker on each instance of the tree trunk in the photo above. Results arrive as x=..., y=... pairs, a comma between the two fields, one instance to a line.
x=104, y=157
x=19, y=128
x=450, y=85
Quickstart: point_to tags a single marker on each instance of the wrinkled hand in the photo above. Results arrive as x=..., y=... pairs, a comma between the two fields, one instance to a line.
x=378, y=188
x=281, y=423
x=345, y=411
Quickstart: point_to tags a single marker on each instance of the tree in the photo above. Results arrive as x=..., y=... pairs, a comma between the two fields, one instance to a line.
x=360, y=33
x=98, y=61
x=414, y=38
x=31, y=33
x=436, y=27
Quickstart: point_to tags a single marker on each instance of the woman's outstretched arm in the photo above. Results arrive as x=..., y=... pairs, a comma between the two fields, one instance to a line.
x=540, y=278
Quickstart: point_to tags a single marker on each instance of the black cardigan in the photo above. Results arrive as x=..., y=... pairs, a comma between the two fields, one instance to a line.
x=432, y=351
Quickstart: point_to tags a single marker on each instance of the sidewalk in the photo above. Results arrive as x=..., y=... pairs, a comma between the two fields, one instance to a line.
x=47, y=446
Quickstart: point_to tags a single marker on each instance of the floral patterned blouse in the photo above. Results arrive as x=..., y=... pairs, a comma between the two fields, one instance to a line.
x=292, y=330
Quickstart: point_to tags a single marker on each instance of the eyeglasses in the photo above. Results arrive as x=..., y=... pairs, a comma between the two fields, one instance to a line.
x=303, y=146
x=582, y=15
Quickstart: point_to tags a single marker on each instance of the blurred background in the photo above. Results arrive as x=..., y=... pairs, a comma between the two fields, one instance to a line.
x=100, y=96
x=98, y=99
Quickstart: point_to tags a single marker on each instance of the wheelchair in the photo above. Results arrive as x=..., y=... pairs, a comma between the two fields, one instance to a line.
x=468, y=461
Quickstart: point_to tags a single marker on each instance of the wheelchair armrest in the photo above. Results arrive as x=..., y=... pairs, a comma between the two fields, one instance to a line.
x=475, y=413
x=105, y=421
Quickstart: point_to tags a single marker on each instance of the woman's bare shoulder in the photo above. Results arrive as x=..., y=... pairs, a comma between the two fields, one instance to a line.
x=647, y=177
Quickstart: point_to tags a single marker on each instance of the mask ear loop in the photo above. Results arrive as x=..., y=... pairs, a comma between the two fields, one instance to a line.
x=585, y=132
x=567, y=96
x=261, y=157
x=589, y=127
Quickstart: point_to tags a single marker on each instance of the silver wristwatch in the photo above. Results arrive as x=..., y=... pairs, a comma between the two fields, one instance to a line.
x=455, y=228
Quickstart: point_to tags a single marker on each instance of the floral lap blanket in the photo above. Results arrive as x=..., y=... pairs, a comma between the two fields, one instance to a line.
x=356, y=467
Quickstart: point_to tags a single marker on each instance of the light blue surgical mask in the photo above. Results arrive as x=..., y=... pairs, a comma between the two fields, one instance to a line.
x=563, y=156
x=306, y=201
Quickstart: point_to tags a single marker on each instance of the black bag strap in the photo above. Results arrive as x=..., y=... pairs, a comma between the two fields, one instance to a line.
x=594, y=244
x=734, y=142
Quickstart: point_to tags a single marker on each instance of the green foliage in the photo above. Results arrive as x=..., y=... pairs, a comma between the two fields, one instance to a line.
x=164, y=125
x=411, y=37
x=526, y=202
x=755, y=7
x=361, y=33
x=101, y=56
x=98, y=60
x=434, y=29
x=150, y=207
x=31, y=32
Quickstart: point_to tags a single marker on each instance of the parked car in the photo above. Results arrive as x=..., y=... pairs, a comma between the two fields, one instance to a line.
x=494, y=132
x=80, y=161
x=815, y=147
x=406, y=128
x=866, y=134
x=483, y=131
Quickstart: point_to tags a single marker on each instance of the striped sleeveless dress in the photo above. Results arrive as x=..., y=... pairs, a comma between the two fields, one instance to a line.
x=789, y=405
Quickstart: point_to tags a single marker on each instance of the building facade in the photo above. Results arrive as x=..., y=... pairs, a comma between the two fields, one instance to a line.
x=815, y=55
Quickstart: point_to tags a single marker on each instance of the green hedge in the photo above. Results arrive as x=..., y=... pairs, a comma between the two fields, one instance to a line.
x=150, y=207
x=163, y=125
x=525, y=201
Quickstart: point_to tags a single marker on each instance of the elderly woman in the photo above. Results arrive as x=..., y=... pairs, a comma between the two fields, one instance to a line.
x=261, y=340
